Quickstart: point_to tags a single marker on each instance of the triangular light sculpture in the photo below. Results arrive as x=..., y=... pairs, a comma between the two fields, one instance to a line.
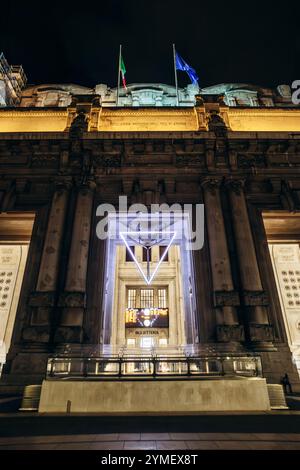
x=148, y=243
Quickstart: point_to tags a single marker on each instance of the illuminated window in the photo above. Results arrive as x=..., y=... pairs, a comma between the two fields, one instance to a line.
x=162, y=249
x=131, y=342
x=145, y=255
x=128, y=255
x=147, y=298
x=163, y=341
x=131, y=298
x=162, y=298
x=147, y=342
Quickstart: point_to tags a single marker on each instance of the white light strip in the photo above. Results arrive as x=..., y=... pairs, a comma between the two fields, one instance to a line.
x=147, y=280
x=162, y=258
x=133, y=257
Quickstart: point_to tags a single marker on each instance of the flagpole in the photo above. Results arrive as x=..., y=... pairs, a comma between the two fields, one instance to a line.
x=119, y=70
x=175, y=73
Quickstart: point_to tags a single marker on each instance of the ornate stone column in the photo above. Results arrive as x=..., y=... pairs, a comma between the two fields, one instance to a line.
x=43, y=299
x=72, y=300
x=254, y=297
x=225, y=297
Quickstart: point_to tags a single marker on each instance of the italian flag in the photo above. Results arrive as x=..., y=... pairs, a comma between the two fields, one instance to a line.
x=123, y=71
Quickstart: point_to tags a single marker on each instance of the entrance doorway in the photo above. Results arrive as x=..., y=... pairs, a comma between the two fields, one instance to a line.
x=149, y=299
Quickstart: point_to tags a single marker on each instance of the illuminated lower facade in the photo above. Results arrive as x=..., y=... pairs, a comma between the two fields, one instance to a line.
x=66, y=293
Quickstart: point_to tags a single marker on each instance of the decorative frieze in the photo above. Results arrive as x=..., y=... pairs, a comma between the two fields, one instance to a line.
x=251, y=161
x=190, y=160
x=44, y=161
x=105, y=161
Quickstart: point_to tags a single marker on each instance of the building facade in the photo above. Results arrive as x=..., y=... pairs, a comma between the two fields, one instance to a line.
x=66, y=149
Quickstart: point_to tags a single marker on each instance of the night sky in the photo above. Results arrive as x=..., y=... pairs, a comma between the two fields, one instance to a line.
x=60, y=42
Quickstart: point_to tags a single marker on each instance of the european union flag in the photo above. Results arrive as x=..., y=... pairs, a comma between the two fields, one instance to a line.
x=182, y=65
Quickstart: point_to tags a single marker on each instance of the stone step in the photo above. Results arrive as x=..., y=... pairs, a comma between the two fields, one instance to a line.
x=277, y=397
x=31, y=398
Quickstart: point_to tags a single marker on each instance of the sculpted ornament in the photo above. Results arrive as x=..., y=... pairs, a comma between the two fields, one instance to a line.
x=79, y=125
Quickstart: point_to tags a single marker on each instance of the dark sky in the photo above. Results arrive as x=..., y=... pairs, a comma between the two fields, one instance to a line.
x=60, y=42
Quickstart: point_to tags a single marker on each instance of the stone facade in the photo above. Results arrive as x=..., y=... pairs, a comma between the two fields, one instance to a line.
x=60, y=163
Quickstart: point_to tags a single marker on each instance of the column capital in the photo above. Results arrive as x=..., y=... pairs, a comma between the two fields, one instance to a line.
x=235, y=185
x=85, y=185
x=211, y=184
x=62, y=183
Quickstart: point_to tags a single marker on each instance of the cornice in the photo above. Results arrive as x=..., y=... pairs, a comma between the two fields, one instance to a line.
x=262, y=111
x=31, y=113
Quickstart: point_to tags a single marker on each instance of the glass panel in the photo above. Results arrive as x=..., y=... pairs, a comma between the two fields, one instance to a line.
x=162, y=298
x=128, y=255
x=137, y=367
x=145, y=254
x=205, y=366
x=147, y=298
x=131, y=301
x=171, y=367
x=162, y=249
x=62, y=367
x=147, y=342
x=245, y=367
x=106, y=368
x=163, y=341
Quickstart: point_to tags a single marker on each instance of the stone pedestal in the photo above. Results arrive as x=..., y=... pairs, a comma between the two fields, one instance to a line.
x=154, y=396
